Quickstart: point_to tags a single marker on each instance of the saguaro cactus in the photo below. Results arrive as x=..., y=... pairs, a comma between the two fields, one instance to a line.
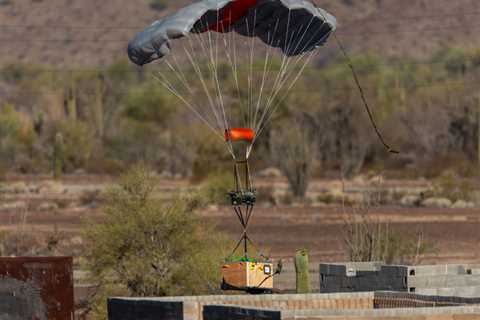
x=301, y=270
x=71, y=101
x=58, y=155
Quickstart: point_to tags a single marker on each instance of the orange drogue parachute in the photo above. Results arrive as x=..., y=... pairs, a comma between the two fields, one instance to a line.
x=239, y=134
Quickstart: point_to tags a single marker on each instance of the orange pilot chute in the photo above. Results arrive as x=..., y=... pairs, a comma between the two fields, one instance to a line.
x=239, y=134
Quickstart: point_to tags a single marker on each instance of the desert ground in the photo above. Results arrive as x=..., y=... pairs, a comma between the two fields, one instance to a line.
x=38, y=207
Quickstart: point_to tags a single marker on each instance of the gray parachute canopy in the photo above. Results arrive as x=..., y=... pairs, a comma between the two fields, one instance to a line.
x=294, y=26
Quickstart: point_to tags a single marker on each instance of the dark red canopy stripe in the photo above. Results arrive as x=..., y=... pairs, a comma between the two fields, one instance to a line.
x=229, y=14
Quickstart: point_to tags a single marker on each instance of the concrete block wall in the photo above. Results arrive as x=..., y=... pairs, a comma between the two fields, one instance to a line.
x=239, y=313
x=362, y=277
x=452, y=280
x=448, y=313
x=463, y=292
x=444, y=269
x=193, y=306
x=311, y=306
x=462, y=280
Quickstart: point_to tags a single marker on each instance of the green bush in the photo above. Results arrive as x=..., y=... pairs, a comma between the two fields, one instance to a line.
x=215, y=189
x=211, y=157
x=150, y=247
x=78, y=140
x=150, y=103
x=453, y=187
x=16, y=136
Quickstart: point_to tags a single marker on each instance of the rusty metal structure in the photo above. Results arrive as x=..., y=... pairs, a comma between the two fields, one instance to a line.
x=39, y=288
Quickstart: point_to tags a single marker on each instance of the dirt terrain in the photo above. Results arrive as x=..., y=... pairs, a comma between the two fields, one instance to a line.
x=37, y=209
x=90, y=33
x=40, y=205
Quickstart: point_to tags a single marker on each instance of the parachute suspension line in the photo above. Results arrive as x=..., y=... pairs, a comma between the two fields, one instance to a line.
x=284, y=61
x=262, y=86
x=217, y=84
x=292, y=84
x=263, y=122
x=251, y=33
x=281, y=79
x=363, y=97
x=233, y=65
x=283, y=75
x=181, y=77
x=265, y=69
x=234, y=43
x=220, y=123
x=214, y=55
x=199, y=73
x=170, y=88
x=202, y=79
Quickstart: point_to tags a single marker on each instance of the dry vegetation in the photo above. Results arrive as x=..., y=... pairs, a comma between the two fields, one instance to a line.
x=73, y=109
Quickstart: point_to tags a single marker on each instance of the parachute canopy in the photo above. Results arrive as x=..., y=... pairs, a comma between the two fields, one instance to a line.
x=294, y=26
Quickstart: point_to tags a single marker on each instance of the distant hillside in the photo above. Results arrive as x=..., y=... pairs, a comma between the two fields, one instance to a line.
x=81, y=33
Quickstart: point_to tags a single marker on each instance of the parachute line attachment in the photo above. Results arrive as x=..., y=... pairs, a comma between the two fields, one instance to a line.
x=362, y=95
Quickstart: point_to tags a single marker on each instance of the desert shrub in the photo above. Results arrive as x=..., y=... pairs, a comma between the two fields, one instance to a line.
x=90, y=197
x=20, y=240
x=453, y=187
x=366, y=238
x=78, y=143
x=211, y=157
x=136, y=140
x=21, y=243
x=149, y=247
x=16, y=136
x=293, y=151
x=216, y=187
x=150, y=103
x=266, y=194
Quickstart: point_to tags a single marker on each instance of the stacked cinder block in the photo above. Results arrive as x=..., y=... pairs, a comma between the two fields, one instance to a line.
x=362, y=277
x=455, y=280
x=459, y=280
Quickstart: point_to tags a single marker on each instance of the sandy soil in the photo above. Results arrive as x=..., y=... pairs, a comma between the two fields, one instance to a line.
x=280, y=229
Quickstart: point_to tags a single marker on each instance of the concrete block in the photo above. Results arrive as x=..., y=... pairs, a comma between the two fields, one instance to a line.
x=348, y=268
x=224, y=312
x=443, y=281
x=447, y=269
x=465, y=292
x=142, y=309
